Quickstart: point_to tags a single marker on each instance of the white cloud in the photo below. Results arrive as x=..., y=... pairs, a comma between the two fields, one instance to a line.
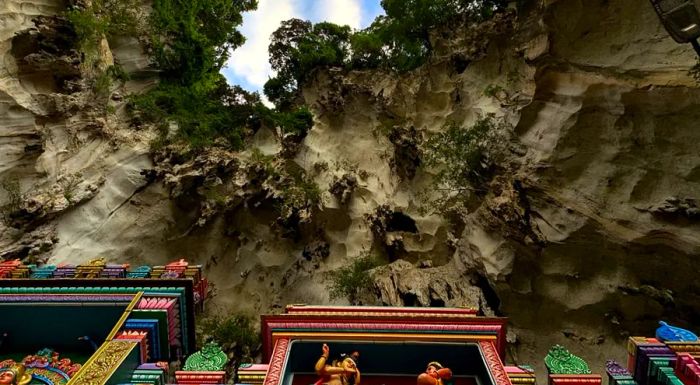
x=340, y=12
x=250, y=61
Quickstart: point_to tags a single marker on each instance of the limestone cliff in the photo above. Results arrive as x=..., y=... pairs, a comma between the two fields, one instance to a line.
x=587, y=232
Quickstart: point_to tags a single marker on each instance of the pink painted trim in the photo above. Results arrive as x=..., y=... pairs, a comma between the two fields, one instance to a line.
x=293, y=309
x=320, y=326
x=375, y=319
x=517, y=370
x=279, y=356
x=494, y=363
x=368, y=324
x=255, y=367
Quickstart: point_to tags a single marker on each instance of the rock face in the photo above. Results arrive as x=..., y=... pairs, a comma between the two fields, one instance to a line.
x=587, y=232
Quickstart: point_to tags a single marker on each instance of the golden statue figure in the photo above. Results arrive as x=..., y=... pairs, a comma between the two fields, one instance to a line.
x=340, y=372
x=435, y=374
x=14, y=375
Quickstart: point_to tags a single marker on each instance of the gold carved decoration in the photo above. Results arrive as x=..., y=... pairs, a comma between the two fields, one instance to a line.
x=97, y=262
x=103, y=363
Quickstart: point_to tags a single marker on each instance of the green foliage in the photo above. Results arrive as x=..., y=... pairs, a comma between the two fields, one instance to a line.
x=399, y=41
x=298, y=121
x=493, y=90
x=297, y=191
x=102, y=84
x=102, y=81
x=464, y=157
x=97, y=20
x=499, y=93
x=296, y=49
x=117, y=72
x=367, y=49
x=190, y=43
x=89, y=28
x=104, y=18
x=191, y=39
x=353, y=279
x=405, y=29
x=202, y=114
x=302, y=192
x=69, y=184
x=234, y=333
x=280, y=91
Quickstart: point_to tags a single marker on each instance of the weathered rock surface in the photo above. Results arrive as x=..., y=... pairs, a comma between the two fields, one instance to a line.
x=588, y=231
x=403, y=284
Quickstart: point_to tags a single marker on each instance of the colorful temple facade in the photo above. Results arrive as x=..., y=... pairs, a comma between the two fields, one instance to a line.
x=97, y=323
x=105, y=324
x=396, y=344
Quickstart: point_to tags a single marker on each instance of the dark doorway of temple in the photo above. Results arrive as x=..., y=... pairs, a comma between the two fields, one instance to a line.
x=389, y=363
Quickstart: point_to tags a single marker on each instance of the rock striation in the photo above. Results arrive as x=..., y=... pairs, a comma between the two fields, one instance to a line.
x=585, y=233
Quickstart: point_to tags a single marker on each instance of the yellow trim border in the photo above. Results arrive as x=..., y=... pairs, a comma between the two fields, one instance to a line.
x=102, y=365
x=125, y=315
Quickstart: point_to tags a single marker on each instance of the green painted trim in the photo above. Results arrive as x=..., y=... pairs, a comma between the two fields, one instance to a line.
x=668, y=377
x=656, y=363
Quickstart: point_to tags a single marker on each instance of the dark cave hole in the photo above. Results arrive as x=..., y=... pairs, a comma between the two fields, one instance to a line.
x=437, y=302
x=409, y=299
x=490, y=295
x=401, y=222
x=460, y=63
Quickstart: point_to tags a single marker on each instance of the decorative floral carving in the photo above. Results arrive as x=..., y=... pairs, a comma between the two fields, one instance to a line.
x=277, y=362
x=210, y=358
x=560, y=361
x=47, y=367
x=494, y=363
x=98, y=370
x=615, y=369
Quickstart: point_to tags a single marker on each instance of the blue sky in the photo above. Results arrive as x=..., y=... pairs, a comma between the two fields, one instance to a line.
x=248, y=65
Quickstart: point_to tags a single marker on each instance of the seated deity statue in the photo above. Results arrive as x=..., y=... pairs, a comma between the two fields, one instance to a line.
x=14, y=375
x=435, y=374
x=342, y=371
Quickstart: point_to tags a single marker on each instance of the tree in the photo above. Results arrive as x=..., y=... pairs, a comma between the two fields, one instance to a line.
x=296, y=49
x=464, y=158
x=190, y=43
x=406, y=27
x=193, y=38
x=399, y=40
x=352, y=280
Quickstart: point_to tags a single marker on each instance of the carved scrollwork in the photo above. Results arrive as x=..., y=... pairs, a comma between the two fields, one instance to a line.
x=98, y=370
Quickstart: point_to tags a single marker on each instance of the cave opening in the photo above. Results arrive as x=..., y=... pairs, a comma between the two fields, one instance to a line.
x=399, y=221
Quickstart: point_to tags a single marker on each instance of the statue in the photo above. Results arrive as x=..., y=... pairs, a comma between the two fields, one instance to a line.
x=669, y=333
x=340, y=372
x=14, y=375
x=435, y=374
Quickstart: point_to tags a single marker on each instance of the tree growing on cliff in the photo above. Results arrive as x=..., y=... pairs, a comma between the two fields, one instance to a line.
x=398, y=41
x=465, y=158
x=352, y=280
x=296, y=49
